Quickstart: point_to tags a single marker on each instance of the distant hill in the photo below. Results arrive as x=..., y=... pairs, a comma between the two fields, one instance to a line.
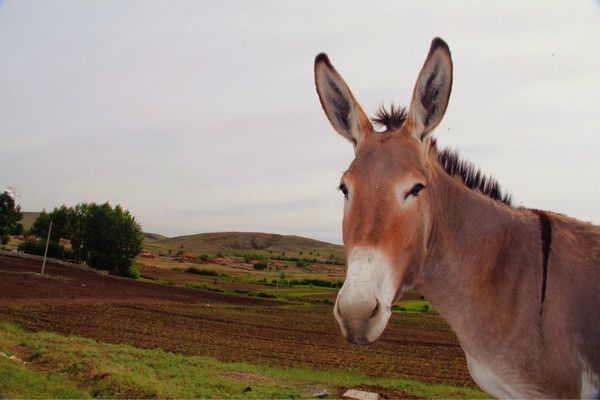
x=28, y=218
x=240, y=242
x=153, y=237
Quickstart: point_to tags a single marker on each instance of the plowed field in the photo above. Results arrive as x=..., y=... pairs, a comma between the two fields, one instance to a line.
x=227, y=327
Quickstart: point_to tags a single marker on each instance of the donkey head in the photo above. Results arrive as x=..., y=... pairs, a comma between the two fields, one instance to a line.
x=387, y=211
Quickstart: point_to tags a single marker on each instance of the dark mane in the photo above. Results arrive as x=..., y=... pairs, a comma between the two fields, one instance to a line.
x=470, y=175
x=390, y=119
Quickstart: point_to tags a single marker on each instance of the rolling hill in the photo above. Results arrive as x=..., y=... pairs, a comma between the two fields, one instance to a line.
x=153, y=237
x=28, y=218
x=241, y=242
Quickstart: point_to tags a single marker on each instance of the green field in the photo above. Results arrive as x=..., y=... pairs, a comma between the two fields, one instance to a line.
x=60, y=366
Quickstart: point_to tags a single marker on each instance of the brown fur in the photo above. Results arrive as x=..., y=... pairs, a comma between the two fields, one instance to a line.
x=484, y=276
x=489, y=269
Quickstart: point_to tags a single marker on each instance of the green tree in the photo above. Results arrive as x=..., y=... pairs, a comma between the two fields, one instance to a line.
x=112, y=238
x=60, y=221
x=41, y=224
x=19, y=230
x=10, y=215
x=76, y=222
x=105, y=237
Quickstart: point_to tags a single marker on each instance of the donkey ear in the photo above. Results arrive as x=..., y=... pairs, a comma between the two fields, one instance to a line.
x=340, y=106
x=432, y=90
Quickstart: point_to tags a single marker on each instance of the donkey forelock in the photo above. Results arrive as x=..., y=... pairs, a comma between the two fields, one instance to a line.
x=471, y=176
x=390, y=119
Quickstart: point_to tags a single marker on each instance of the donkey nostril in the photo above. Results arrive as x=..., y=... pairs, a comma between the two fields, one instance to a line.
x=375, y=310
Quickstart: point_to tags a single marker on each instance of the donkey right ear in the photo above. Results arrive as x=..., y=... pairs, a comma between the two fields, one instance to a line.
x=340, y=106
x=432, y=90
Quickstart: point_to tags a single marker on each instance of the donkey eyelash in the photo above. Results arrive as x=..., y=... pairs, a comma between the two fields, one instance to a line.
x=415, y=190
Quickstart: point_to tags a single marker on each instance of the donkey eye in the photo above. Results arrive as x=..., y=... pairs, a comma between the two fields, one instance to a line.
x=344, y=190
x=415, y=190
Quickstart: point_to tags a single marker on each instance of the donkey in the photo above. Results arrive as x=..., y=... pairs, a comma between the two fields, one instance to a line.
x=519, y=287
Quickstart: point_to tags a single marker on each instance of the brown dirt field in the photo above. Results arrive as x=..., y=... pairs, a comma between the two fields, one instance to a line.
x=71, y=285
x=231, y=328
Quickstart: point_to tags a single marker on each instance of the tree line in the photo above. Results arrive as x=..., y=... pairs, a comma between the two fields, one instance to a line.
x=99, y=235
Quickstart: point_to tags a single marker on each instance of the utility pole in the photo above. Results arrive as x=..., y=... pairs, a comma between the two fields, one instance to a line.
x=46, y=251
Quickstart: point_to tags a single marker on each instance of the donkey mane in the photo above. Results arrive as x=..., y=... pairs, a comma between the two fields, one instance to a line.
x=469, y=174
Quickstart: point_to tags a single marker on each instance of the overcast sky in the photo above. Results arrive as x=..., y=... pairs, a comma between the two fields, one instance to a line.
x=202, y=116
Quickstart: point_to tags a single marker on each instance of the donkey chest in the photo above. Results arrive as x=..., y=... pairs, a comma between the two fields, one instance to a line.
x=497, y=385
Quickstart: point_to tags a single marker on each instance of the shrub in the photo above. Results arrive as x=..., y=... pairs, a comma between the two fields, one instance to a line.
x=37, y=353
x=201, y=271
x=265, y=295
x=317, y=282
x=262, y=259
x=55, y=250
x=260, y=266
x=131, y=272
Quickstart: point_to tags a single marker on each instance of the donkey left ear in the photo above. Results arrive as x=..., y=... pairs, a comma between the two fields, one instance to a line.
x=340, y=106
x=432, y=90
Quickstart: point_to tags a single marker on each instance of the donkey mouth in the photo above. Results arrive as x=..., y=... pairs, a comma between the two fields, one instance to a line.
x=359, y=340
x=363, y=331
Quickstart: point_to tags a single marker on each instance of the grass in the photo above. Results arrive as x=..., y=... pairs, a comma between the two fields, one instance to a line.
x=19, y=382
x=74, y=367
x=310, y=288
x=413, y=306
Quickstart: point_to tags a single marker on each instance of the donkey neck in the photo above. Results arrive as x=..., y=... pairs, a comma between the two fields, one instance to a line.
x=469, y=274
